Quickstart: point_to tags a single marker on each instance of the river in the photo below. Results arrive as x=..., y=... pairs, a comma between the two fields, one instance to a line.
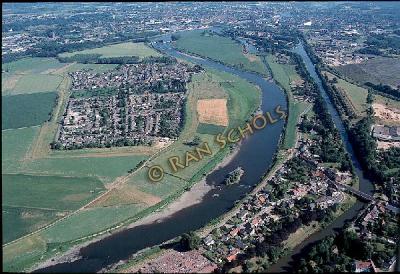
x=255, y=156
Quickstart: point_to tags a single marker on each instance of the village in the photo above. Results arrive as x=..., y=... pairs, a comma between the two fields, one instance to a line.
x=131, y=105
x=302, y=189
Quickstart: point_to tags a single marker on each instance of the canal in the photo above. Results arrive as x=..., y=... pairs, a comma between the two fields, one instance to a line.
x=285, y=263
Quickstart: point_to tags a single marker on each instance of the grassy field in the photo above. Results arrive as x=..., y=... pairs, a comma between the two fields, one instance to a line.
x=87, y=222
x=357, y=95
x=291, y=128
x=221, y=49
x=48, y=192
x=378, y=70
x=32, y=65
x=14, y=145
x=26, y=110
x=117, y=50
x=284, y=74
x=30, y=202
x=104, y=168
x=22, y=253
x=19, y=221
x=210, y=129
x=386, y=101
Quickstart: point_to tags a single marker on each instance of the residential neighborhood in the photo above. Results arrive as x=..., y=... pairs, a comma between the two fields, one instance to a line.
x=132, y=105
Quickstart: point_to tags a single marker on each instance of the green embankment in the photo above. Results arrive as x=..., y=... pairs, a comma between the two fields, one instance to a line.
x=284, y=74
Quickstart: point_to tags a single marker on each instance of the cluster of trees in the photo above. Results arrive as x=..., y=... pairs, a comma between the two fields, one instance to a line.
x=98, y=144
x=383, y=41
x=336, y=253
x=377, y=164
x=94, y=92
x=234, y=176
x=330, y=148
x=169, y=85
x=342, y=105
x=190, y=241
x=370, y=50
x=168, y=128
x=195, y=142
x=386, y=90
x=97, y=59
x=271, y=249
x=52, y=48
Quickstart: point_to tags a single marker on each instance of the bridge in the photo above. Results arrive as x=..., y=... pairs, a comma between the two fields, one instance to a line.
x=364, y=196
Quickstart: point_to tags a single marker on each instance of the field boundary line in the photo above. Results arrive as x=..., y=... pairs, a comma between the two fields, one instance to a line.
x=41, y=208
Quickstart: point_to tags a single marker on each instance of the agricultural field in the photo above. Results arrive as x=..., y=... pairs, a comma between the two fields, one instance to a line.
x=210, y=129
x=15, y=144
x=27, y=110
x=19, y=221
x=89, y=221
x=106, y=169
x=39, y=186
x=16, y=84
x=31, y=75
x=228, y=51
x=27, y=251
x=240, y=106
x=213, y=111
x=118, y=50
x=377, y=70
x=32, y=201
x=32, y=65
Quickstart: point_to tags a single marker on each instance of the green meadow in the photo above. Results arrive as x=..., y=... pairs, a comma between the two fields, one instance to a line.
x=48, y=192
x=104, y=168
x=14, y=145
x=26, y=110
x=30, y=83
x=284, y=74
x=32, y=65
x=219, y=48
x=19, y=221
x=357, y=95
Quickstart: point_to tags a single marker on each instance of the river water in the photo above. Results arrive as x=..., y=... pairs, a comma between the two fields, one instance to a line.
x=255, y=156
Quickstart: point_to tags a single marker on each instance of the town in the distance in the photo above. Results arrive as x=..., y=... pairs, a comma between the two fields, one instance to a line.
x=201, y=137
